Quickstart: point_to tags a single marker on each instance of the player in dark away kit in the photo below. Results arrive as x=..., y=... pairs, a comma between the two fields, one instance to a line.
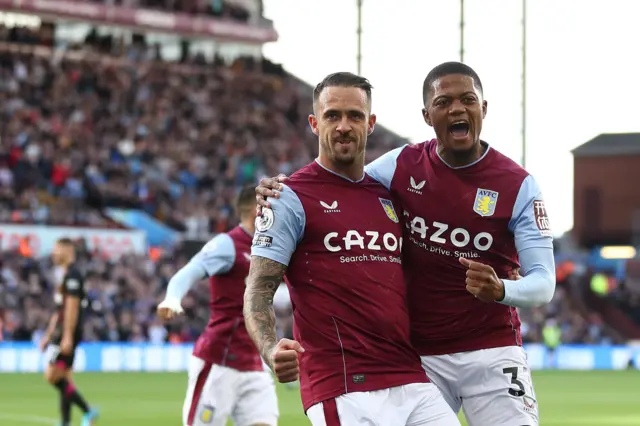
x=65, y=332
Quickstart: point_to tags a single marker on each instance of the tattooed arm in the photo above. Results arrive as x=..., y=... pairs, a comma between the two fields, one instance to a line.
x=265, y=276
x=278, y=232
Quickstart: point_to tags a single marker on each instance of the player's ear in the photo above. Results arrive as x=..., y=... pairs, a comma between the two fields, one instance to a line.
x=372, y=123
x=426, y=116
x=313, y=123
x=484, y=109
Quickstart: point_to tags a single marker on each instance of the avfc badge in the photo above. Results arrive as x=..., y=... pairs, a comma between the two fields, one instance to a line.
x=485, y=202
x=206, y=415
x=542, y=220
x=387, y=205
x=264, y=222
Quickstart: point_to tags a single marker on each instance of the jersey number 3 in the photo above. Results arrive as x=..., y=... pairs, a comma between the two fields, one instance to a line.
x=513, y=372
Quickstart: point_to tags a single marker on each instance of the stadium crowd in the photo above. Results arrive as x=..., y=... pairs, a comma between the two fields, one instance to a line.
x=122, y=295
x=109, y=124
x=216, y=8
x=80, y=131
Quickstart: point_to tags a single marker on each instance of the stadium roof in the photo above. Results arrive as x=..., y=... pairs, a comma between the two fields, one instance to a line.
x=610, y=144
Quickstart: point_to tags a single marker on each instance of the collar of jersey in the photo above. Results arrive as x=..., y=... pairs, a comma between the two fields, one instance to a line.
x=246, y=230
x=466, y=165
x=339, y=175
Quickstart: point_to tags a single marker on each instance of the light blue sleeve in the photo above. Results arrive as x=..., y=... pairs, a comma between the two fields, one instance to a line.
x=280, y=228
x=529, y=222
x=538, y=282
x=530, y=227
x=383, y=168
x=216, y=257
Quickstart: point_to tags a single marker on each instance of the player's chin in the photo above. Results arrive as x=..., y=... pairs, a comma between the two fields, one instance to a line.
x=345, y=160
x=345, y=155
x=461, y=143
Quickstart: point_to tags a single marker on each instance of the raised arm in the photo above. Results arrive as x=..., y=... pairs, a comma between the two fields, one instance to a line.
x=216, y=257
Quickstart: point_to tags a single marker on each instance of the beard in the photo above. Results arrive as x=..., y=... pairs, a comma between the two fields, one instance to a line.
x=344, y=154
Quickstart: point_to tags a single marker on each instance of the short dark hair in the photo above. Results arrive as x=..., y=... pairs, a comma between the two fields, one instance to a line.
x=448, y=68
x=66, y=242
x=343, y=79
x=246, y=198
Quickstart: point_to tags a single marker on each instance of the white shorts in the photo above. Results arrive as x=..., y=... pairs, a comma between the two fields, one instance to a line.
x=493, y=386
x=416, y=404
x=216, y=393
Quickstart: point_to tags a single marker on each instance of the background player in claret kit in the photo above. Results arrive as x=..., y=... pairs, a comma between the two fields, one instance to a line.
x=336, y=235
x=226, y=374
x=472, y=215
x=65, y=332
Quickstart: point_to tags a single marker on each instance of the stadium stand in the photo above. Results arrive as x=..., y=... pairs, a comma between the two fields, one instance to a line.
x=128, y=136
x=223, y=9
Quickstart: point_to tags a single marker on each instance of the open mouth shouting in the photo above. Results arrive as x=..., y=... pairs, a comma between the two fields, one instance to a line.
x=459, y=130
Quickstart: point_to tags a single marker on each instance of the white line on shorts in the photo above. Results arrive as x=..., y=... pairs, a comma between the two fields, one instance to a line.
x=28, y=419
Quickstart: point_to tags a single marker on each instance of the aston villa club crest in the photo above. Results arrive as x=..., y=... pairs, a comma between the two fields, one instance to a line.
x=485, y=202
x=387, y=205
x=206, y=415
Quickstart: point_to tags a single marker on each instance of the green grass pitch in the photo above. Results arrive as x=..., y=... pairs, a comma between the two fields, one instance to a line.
x=603, y=398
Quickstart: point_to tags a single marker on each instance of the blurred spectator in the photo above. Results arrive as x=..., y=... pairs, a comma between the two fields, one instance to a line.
x=216, y=8
x=123, y=296
x=80, y=132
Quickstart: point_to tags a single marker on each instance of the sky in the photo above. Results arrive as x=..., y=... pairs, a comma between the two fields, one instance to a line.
x=582, y=69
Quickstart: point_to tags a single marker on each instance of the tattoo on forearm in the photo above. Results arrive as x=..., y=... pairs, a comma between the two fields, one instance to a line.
x=265, y=276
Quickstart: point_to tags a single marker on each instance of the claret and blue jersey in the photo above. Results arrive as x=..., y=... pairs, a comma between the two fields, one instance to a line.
x=491, y=211
x=342, y=240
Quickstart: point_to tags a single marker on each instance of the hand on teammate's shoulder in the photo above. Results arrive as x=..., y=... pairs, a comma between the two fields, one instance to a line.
x=268, y=187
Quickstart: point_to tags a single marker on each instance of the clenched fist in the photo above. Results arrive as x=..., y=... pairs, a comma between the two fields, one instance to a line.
x=169, y=309
x=284, y=360
x=483, y=282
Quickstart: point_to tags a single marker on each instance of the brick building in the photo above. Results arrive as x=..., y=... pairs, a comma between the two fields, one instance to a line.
x=606, y=196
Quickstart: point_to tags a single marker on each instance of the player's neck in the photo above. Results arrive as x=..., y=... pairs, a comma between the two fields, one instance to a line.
x=248, y=225
x=464, y=158
x=353, y=171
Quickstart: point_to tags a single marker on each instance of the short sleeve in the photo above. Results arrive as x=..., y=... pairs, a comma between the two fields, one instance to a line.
x=529, y=221
x=383, y=168
x=280, y=228
x=217, y=256
x=74, y=283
